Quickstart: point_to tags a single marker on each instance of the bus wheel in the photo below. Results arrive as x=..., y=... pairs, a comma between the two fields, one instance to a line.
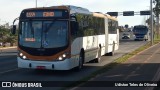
x=98, y=59
x=81, y=61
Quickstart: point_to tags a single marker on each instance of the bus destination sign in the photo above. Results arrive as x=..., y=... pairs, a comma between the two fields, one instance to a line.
x=43, y=14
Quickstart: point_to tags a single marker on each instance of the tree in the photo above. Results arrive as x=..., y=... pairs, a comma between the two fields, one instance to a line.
x=6, y=36
x=11, y=39
x=156, y=10
x=3, y=33
x=149, y=20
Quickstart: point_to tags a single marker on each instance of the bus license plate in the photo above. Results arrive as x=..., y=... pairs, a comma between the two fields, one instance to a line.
x=41, y=67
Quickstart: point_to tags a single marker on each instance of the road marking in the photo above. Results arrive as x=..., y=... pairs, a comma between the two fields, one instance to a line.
x=155, y=78
x=157, y=75
x=9, y=70
x=111, y=76
x=138, y=68
x=146, y=61
x=133, y=72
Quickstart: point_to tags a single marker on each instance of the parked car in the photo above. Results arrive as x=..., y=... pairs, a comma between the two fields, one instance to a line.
x=126, y=36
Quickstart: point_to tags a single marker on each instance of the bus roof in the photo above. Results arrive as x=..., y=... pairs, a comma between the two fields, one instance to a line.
x=75, y=9
x=71, y=8
x=52, y=7
x=97, y=14
x=111, y=17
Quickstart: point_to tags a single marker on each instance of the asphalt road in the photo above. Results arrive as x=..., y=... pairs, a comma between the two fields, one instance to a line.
x=10, y=72
x=143, y=67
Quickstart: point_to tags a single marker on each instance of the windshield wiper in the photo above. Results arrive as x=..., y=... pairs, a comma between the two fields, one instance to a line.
x=48, y=28
x=32, y=29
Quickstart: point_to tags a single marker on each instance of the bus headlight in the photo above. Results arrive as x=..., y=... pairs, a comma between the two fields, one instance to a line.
x=22, y=56
x=62, y=57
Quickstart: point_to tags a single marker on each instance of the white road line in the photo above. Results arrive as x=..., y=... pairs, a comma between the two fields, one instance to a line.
x=9, y=70
x=157, y=75
x=155, y=78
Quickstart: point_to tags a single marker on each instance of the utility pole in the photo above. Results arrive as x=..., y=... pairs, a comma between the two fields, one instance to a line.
x=151, y=9
x=36, y=3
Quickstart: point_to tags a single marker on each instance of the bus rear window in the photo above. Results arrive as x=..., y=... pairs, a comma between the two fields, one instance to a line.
x=140, y=27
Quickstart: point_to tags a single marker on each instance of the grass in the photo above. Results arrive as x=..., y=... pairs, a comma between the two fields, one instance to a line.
x=156, y=39
x=114, y=63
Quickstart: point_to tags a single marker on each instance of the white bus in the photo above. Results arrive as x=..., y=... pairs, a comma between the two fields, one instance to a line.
x=64, y=37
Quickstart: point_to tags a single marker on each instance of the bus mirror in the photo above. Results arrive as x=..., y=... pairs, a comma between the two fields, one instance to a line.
x=13, y=31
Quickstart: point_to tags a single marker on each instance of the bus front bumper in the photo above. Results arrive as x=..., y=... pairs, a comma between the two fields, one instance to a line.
x=66, y=64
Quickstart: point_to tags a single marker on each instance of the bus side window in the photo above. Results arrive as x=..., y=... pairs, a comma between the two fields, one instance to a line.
x=74, y=28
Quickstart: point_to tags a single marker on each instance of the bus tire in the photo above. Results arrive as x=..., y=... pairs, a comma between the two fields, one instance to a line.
x=81, y=61
x=98, y=59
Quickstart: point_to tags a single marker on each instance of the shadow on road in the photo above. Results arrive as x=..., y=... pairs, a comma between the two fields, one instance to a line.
x=105, y=76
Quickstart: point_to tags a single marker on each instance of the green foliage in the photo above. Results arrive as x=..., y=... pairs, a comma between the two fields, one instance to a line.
x=6, y=36
x=156, y=9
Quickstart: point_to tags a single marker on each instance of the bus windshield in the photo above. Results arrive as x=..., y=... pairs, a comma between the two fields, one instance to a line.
x=43, y=34
x=140, y=30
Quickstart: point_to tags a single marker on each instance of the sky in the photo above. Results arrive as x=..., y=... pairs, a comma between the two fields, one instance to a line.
x=10, y=9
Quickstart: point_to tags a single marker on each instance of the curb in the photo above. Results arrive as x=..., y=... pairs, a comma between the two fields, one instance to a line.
x=8, y=54
x=8, y=47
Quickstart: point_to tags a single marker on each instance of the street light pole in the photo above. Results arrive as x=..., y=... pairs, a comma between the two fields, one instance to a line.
x=36, y=3
x=151, y=11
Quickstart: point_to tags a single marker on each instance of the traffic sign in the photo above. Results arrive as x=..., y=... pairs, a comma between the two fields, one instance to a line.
x=128, y=13
x=113, y=13
x=145, y=12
